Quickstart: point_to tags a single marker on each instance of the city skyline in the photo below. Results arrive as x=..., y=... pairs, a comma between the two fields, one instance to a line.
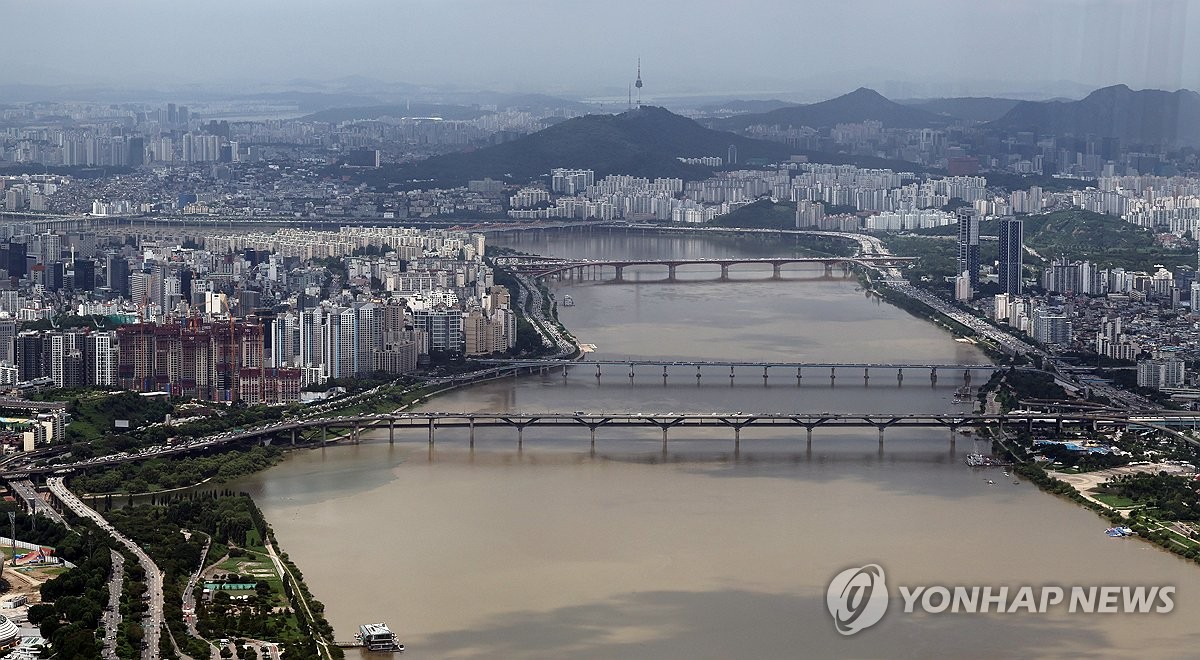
x=566, y=48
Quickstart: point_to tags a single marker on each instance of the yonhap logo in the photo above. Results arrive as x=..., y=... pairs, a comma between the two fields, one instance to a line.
x=857, y=598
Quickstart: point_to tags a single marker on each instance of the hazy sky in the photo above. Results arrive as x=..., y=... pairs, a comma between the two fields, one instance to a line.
x=589, y=48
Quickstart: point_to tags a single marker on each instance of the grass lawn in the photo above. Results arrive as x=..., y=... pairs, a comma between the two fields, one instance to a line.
x=259, y=569
x=1113, y=500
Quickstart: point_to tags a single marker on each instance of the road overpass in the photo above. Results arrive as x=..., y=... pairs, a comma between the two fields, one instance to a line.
x=28, y=495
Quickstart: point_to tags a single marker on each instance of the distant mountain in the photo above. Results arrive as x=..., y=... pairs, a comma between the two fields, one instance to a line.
x=860, y=105
x=646, y=141
x=1146, y=117
x=967, y=108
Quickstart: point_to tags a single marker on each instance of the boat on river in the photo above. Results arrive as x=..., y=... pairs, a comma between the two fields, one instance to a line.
x=378, y=637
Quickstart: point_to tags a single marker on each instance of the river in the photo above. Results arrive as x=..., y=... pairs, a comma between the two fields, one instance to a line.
x=695, y=550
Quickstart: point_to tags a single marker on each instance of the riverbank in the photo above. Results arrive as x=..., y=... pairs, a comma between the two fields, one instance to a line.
x=95, y=496
x=925, y=312
x=1149, y=528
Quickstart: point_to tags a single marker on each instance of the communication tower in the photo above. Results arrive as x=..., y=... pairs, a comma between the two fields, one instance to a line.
x=638, y=83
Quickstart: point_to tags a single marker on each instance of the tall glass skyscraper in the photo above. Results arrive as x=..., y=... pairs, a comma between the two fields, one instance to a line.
x=1011, y=253
x=968, y=245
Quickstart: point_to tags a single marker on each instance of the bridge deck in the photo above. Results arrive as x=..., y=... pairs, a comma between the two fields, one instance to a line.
x=741, y=363
x=736, y=421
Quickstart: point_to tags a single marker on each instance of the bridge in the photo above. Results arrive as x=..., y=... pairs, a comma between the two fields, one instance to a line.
x=653, y=365
x=431, y=423
x=543, y=267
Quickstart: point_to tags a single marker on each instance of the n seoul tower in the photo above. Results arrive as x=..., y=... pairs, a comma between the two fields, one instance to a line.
x=638, y=84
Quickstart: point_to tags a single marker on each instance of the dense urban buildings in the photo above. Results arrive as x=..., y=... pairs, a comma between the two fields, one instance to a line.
x=243, y=316
x=301, y=305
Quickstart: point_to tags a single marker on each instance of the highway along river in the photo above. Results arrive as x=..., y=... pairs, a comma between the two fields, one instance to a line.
x=553, y=552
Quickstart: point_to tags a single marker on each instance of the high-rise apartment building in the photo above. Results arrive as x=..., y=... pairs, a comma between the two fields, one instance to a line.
x=221, y=361
x=102, y=358
x=8, y=336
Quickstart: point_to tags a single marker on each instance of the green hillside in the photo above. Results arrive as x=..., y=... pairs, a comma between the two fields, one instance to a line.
x=1076, y=234
x=646, y=141
x=763, y=214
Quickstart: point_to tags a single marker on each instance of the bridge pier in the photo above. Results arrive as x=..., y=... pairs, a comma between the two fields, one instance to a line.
x=471, y=421
x=432, y=427
x=664, y=373
x=933, y=375
x=899, y=376
x=597, y=371
x=671, y=272
x=724, y=272
x=620, y=273
x=832, y=374
x=631, y=370
x=392, y=432
x=764, y=375
x=324, y=434
x=737, y=438
x=967, y=376
x=697, y=374
x=799, y=375
x=776, y=271
x=828, y=269
x=592, y=429
x=520, y=437
x=808, y=431
x=866, y=375
x=731, y=375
